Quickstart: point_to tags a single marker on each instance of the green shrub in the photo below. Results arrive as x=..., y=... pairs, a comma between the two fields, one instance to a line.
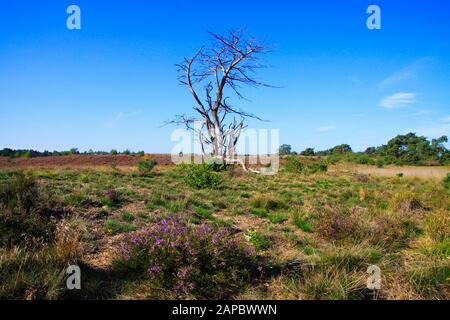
x=446, y=182
x=316, y=167
x=145, y=167
x=293, y=165
x=202, y=176
x=380, y=163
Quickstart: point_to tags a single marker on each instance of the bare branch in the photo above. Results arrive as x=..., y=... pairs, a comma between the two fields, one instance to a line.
x=230, y=63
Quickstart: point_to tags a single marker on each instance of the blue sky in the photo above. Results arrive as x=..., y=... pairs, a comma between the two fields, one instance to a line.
x=113, y=83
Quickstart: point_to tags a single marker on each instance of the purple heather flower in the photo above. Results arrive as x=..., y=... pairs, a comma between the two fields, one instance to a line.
x=191, y=286
x=154, y=270
x=183, y=273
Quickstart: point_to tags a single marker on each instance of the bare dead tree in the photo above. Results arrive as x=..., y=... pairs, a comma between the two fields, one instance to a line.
x=229, y=64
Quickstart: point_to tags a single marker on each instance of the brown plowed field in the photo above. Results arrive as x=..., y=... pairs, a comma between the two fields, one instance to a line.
x=84, y=161
x=78, y=161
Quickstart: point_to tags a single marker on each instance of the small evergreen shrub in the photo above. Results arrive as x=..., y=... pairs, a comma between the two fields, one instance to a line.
x=202, y=176
x=186, y=259
x=145, y=167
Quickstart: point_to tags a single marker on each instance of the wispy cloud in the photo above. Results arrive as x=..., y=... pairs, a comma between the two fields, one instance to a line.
x=445, y=119
x=398, y=100
x=119, y=117
x=422, y=112
x=326, y=128
x=409, y=72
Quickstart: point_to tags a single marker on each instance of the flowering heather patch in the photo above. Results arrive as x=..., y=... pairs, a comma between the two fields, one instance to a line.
x=191, y=260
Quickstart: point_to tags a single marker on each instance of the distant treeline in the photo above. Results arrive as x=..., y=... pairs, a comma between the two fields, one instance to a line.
x=408, y=149
x=26, y=153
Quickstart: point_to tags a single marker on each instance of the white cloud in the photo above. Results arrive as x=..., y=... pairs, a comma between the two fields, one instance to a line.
x=410, y=72
x=398, y=100
x=326, y=128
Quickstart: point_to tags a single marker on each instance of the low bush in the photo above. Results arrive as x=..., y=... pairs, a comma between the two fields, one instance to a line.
x=112, y=198
x=145, y=167
x=316, y=167
x=202, y=176
x=187, y=260
x=446, y=182
x=405, y=201
x=336, y=225
x=293, y=165
x=26, y=213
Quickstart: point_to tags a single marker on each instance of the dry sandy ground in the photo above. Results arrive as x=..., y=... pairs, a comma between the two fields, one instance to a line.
x=129, y=161
x=408, y=171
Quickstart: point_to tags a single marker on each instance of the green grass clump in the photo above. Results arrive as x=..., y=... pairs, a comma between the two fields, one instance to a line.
x=278, y=217
x=116, y=227
x=300, y=221
x=266, y=203
x=257, y=239
x=127, y=217
x=202, y=212
x=262, y=213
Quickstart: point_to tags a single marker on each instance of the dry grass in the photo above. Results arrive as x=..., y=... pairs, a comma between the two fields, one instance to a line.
x=315, y=235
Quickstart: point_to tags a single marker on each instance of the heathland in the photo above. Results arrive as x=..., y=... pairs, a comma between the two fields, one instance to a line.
x=141, y=230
